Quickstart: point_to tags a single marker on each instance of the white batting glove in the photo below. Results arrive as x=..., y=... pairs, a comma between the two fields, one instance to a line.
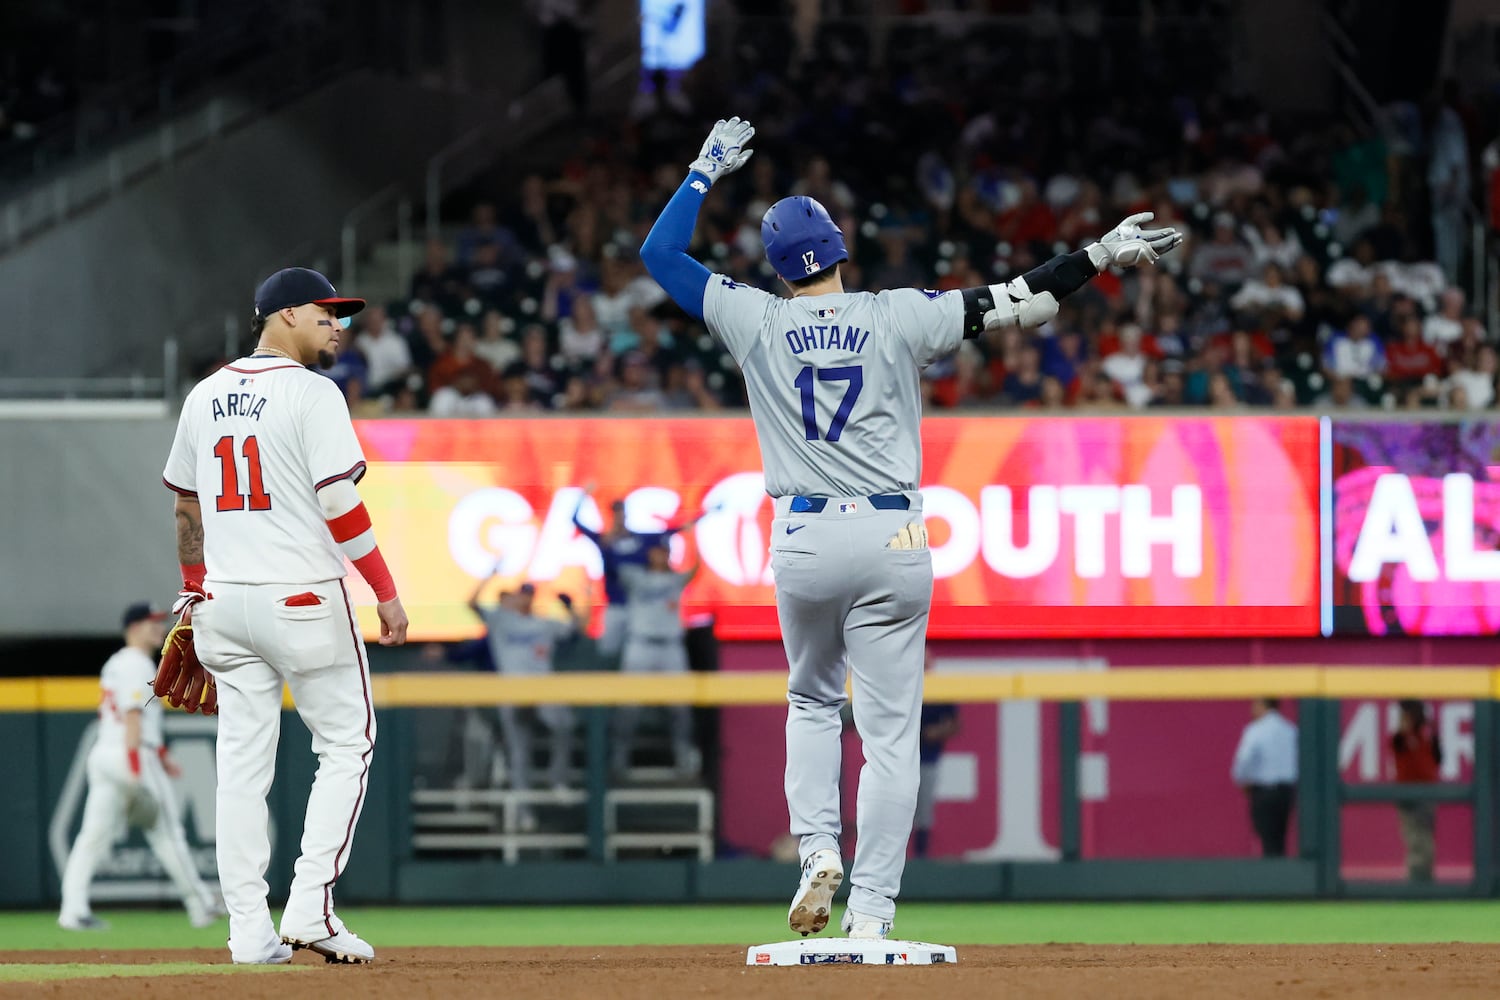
x=724, y=150
x=1128, y=245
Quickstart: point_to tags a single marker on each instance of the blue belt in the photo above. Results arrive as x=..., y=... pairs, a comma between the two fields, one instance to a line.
x=880, y=501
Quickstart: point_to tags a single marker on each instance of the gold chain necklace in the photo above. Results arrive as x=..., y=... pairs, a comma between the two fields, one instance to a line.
x=273, y=350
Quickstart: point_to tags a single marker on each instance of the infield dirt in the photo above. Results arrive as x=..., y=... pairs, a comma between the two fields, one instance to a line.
x=648, y=973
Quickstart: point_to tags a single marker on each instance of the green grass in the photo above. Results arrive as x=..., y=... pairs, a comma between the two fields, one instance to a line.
x=37, y=972
x=958, y=923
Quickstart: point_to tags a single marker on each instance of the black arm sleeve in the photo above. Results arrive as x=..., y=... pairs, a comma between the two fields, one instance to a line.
x=977, y=302
x=1062, y=275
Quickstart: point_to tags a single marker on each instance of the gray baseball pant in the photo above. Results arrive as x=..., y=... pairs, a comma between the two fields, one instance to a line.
x=847, y=603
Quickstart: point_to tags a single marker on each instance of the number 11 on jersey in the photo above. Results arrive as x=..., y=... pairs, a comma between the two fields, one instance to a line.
x=230, y=497
x=808, y=379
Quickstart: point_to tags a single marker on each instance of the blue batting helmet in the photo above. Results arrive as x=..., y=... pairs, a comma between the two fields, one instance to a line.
x=801, y=238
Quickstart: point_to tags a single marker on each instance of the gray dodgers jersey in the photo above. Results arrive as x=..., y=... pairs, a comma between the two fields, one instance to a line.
x=834, y=380
x=522, y=644
x=655, y=600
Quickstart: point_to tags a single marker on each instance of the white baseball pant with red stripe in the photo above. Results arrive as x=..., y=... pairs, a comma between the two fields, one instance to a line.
x=252, y=638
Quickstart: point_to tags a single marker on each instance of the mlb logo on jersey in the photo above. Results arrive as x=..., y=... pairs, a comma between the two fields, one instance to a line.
x=247, y=381
x=848, y=508
x=826, y=313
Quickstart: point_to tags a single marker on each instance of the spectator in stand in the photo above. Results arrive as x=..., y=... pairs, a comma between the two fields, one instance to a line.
x=484, y=229
x=1418, y=754
x=1063, y=355
x=1029, y=222
x=1353, y=274
x=1023, y=386
x=1270, y=298
x=515, y=393
x=1271, y=245
x=1448, y=184
x=1353, y=220
x=895, y=269
x=651, y=344
x=439, y=282
x=1341, y=395
x=1445, y=326
x=1224, y=259
x=497, y=349
x=1126, y=367
x=1471, y=384
x=487, y=280
x=460, y=359
x=938, y=724
x=350, y=373
x=618, y=293
x=688, y=388
x=637, y=391
x=1053, y=396
x=427, y=342
x=1169, y=388
x=818, y=182
x=386, y=352
x=581, y=337
x=542, y=378
x=466, y=394
x=1355, y=352
x=1410, y=361
x=1221, y=392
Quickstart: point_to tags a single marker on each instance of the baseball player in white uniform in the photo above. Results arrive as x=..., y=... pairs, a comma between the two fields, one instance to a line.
x=130, y=781
x=833, y=379
x=654, y=643
x=264, y=465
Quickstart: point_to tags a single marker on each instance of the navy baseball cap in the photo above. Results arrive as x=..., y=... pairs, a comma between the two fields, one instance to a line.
x=528, y=588
x=296, y=286
x=140, y=611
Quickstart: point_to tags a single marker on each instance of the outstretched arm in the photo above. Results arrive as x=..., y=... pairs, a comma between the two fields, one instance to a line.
x=584, y=529
x=479, y=589
x=1032, y=299
x=665, y=250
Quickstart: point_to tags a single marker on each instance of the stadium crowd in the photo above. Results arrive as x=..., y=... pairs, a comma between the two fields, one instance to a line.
x=1309, y=277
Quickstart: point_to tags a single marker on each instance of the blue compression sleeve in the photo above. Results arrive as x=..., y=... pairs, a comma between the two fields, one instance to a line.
x=665, y=251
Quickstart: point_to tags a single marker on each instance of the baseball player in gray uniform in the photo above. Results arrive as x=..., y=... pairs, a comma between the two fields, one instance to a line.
x=522, y=642
x=654, y=643
x=833, y=382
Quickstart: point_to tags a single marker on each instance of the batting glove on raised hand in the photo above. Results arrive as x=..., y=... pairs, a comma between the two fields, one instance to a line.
x=1128, y=245
x=724, y=150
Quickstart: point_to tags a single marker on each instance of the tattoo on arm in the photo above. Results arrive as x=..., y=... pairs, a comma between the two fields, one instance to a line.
x=189, y=532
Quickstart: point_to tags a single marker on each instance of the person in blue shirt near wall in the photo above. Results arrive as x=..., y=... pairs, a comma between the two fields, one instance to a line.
x=1265, y=766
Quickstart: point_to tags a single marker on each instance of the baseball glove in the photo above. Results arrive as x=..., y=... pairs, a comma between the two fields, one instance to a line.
x=181, y=680
x=142, y=810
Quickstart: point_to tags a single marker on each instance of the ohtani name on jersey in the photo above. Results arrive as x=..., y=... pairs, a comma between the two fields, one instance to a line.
x=832, y=337
x=239, y=404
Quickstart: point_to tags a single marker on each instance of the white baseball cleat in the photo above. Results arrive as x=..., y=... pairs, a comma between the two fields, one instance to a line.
x=345, y=947
x=280, y=954
x=87, y=922
x=822, y=874
x=862, y=925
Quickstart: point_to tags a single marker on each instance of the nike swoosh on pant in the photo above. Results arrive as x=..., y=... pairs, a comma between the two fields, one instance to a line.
x=792, y=530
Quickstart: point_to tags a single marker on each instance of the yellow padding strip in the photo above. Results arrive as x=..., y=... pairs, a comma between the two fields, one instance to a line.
x=430, y=690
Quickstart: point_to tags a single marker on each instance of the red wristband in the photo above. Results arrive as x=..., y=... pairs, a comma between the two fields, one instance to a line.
x=161, y=752
x=193, y=573
x=133, y=759
x=372, y=567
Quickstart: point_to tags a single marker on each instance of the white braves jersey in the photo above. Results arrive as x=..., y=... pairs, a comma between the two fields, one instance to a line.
x=834, y=381
x=256, y=440
x=125, y=684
